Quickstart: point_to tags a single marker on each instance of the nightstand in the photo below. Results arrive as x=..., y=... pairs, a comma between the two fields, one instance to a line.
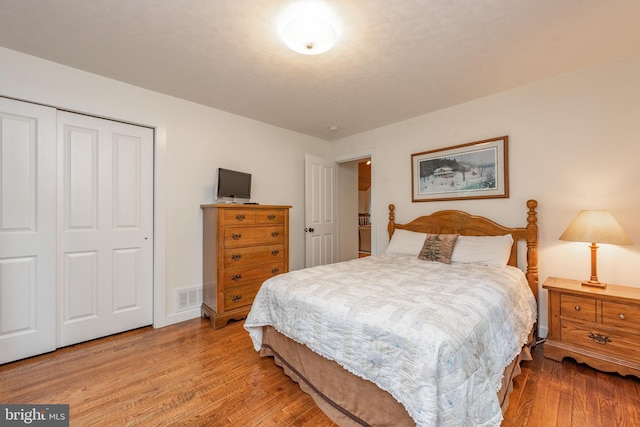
x=599, y=327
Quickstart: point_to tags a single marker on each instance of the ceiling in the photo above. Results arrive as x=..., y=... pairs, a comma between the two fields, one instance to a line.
x=395, y=59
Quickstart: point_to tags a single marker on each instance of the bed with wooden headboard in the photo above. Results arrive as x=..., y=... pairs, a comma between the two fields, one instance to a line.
x=392, y=295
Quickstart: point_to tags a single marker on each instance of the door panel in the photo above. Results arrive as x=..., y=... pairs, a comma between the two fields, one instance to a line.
x=27, y=229
x=321, y=185
x=80, y=287
x=106, y=227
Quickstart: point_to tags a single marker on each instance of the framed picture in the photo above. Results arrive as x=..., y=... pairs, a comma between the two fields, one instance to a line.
x=477, y=170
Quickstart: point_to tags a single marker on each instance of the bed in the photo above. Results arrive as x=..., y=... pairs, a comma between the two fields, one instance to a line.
x=396, y=340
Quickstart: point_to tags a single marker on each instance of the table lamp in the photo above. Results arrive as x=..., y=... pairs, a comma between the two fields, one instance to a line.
x=595, y=226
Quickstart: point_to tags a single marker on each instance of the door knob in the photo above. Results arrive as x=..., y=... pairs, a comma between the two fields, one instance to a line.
x=309, y=230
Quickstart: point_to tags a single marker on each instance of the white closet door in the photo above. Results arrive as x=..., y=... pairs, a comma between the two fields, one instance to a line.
x=27, y=230
x=105, y=210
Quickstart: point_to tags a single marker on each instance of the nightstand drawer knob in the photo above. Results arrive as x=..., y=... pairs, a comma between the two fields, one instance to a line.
x=236, y=298
x=236, y=236
x=599, y=338
x=577, y=308
x=621, y=316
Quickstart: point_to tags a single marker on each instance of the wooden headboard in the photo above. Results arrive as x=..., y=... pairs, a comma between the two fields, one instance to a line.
x=465, y=224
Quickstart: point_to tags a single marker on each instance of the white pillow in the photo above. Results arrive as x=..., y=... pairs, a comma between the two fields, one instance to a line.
x=486, y=250
x=405, y=242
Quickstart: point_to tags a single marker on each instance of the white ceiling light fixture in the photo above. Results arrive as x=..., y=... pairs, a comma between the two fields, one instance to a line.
x=308, y=27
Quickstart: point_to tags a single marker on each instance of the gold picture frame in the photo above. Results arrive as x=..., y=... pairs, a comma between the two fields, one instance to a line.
x=476, y=170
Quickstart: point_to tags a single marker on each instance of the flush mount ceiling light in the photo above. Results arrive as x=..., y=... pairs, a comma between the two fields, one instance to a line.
x=308, y=27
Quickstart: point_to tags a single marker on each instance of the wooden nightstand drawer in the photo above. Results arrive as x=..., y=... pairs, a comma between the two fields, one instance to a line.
x=597, y=326
x=578, y=308
x=602, y=341
x=624, y=316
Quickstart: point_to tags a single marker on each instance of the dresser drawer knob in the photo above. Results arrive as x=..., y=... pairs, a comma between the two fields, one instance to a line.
x=576, y=308
x=274, y=234
x=240, y=217
x=236, y=277
x=271, y=216
x=275, y=252
x=236, y=298
x=599, y=338
x=236, y=257
x=621, y=316
x=236, y=236
x=275, y=270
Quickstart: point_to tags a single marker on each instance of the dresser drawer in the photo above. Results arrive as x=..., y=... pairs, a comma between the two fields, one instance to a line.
x=626, y=316
x=238, y=216
x=615, y=343
x=578, y=308
x=253, y=255
x=250, y=236
x=240, y=296
x=257, y=273
x=270, y=216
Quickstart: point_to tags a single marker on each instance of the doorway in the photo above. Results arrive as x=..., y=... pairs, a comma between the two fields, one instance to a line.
x=364, y=207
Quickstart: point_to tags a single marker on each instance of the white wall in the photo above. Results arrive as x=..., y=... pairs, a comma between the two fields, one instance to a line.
x=191, y=142
x=574, y=143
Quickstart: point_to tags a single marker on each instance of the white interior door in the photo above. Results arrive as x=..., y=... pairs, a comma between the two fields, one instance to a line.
x=321, y=240
x=105, y=279
x=27, y=229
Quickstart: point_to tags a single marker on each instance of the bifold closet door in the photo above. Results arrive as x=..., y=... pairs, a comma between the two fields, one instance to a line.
x=105, y=215
x=27, y=229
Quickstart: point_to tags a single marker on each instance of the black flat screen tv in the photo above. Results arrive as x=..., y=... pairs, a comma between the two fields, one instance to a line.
x=233, y=184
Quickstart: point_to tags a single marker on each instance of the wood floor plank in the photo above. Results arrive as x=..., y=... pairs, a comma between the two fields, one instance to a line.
x=609, y=401
x=191, y=375
x=525, y=391
x=564, y=412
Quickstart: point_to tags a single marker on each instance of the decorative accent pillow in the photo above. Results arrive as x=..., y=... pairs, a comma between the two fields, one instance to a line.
x=486, y=250
x=405, y=242
x=438, y=247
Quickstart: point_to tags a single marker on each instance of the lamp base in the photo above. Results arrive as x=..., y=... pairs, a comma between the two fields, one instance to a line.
x=594, y=284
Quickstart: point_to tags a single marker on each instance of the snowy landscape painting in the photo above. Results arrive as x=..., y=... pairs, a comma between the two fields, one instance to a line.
x=474, y=170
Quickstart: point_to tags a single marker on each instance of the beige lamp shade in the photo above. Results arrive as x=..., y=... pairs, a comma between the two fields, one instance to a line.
x=596, y=227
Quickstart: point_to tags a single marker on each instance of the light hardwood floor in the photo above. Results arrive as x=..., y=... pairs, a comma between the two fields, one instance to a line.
x=188, y=374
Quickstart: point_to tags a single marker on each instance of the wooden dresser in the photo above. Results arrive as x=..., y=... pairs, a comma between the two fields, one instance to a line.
x=599, y=327
x=243, y=245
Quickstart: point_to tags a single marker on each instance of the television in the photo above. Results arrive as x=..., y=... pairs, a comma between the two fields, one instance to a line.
x=233, y=184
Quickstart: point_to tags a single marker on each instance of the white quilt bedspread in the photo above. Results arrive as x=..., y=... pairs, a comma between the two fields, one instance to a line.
x=438, y=346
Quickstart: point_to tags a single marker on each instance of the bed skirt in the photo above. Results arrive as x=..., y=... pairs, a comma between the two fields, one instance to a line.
x=347, y=399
